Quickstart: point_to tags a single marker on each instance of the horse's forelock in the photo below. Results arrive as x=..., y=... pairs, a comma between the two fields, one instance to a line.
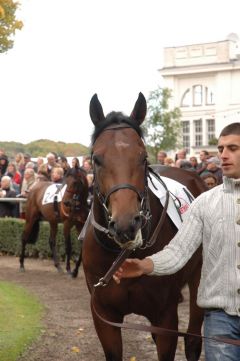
x=115, y=118
x=75, y=172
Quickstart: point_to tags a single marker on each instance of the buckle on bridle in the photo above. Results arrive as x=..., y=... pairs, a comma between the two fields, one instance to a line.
x=101, y=283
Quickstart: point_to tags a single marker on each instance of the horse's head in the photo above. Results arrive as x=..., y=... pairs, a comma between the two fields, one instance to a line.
x=120, y=171
x=77, y=189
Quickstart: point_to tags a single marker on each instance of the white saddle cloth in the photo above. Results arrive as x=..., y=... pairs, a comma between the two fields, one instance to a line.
x=53, y=190
x=179, y=201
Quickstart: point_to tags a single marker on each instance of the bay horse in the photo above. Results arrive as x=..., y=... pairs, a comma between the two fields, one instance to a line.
x=71, y=210
x=123, y=205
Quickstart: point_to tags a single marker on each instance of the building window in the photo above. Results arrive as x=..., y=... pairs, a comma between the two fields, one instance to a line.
x=210, y=129
x=197, y=95
x=209, y=96
x=198, y=132
x=186, y=99
x=186, y=135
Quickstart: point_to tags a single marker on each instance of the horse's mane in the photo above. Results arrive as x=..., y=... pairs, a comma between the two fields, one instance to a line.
x=117, y=118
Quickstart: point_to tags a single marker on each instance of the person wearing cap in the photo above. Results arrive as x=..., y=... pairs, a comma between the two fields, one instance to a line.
x=213, y=167
x=213, y=220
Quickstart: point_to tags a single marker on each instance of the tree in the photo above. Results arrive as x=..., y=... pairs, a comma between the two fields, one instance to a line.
x=8, y=24
x=163, y=125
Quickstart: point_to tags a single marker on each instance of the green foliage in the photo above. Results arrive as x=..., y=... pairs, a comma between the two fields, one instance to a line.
x=8, y=24
x=43, y=146
x=213, y=141
x=12, y=148
x=20, y=321
x=10, y=239
x=162, y=125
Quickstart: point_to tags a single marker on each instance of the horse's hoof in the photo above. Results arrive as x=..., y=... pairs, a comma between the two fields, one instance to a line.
x=21, y=269
x=74, y=274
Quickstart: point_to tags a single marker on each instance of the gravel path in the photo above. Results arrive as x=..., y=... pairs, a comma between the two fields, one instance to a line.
x=68, y=333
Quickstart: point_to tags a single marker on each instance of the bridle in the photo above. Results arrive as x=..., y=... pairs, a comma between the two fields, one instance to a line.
x=144, y=211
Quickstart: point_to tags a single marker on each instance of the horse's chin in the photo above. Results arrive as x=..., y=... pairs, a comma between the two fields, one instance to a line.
x=133, y=244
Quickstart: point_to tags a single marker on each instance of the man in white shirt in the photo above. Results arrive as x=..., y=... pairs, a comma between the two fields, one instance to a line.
x=214, y=220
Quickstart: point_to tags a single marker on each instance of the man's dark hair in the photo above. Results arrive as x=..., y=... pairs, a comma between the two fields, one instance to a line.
x=233, y=128
x=205, y=152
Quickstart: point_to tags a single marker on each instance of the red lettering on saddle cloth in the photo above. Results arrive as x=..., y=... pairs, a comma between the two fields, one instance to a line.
x=184, y=205
x=184, y=208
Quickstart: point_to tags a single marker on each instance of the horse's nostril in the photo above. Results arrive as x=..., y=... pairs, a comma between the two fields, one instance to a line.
x=111, y=225
x=137, y=220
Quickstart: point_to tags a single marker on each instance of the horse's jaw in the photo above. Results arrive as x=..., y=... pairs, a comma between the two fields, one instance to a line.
x=130, y=244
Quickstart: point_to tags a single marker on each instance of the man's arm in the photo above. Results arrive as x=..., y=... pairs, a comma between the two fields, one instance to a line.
x=174, y=256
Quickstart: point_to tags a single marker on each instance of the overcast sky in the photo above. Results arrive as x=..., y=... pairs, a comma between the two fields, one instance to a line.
x=69, y=50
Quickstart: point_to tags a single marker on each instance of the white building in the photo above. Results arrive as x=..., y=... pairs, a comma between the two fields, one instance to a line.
x=205, y=83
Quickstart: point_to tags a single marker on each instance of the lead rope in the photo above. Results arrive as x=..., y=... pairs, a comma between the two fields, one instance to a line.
x=119, y=260
x=162, y=331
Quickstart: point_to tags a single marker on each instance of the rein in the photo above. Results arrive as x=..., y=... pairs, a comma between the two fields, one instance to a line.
x=105, y=279
x=162, y=331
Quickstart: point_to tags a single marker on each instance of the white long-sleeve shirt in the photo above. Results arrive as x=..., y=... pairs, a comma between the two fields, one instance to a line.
x=213, y=219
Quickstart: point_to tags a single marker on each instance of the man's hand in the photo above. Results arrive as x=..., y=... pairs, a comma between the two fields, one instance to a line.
x=133, y=267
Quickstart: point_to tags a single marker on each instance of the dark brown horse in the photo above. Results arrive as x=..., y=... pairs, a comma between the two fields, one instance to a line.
x=124, y=215
x=70, y=208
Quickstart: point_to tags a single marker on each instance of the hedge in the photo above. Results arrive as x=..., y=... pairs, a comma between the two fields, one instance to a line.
x=10, y=239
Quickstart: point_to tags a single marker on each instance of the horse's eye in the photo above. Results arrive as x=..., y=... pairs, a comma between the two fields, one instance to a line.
x=144, y=159
x=97, y=159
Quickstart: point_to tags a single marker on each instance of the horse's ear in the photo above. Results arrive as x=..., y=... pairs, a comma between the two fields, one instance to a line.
x=140, y=109
x=96, y=110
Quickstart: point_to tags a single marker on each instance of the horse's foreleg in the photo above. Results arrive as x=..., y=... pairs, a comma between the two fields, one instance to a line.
x=193, y=345
x=68, y=244
x=79, y=260
x=167, y=344
x=25, y=237
x=109, y=336
x=22, y=254
x=77, y=264
x=68, y=248
x=53, y=245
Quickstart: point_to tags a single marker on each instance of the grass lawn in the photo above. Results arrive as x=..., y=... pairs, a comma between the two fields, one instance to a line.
x=20, y=320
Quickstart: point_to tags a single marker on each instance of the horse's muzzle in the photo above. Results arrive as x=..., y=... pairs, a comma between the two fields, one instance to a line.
x=129, y=237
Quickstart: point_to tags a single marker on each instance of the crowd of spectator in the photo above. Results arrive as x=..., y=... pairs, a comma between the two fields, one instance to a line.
x=20, y=173
x=208, y=167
